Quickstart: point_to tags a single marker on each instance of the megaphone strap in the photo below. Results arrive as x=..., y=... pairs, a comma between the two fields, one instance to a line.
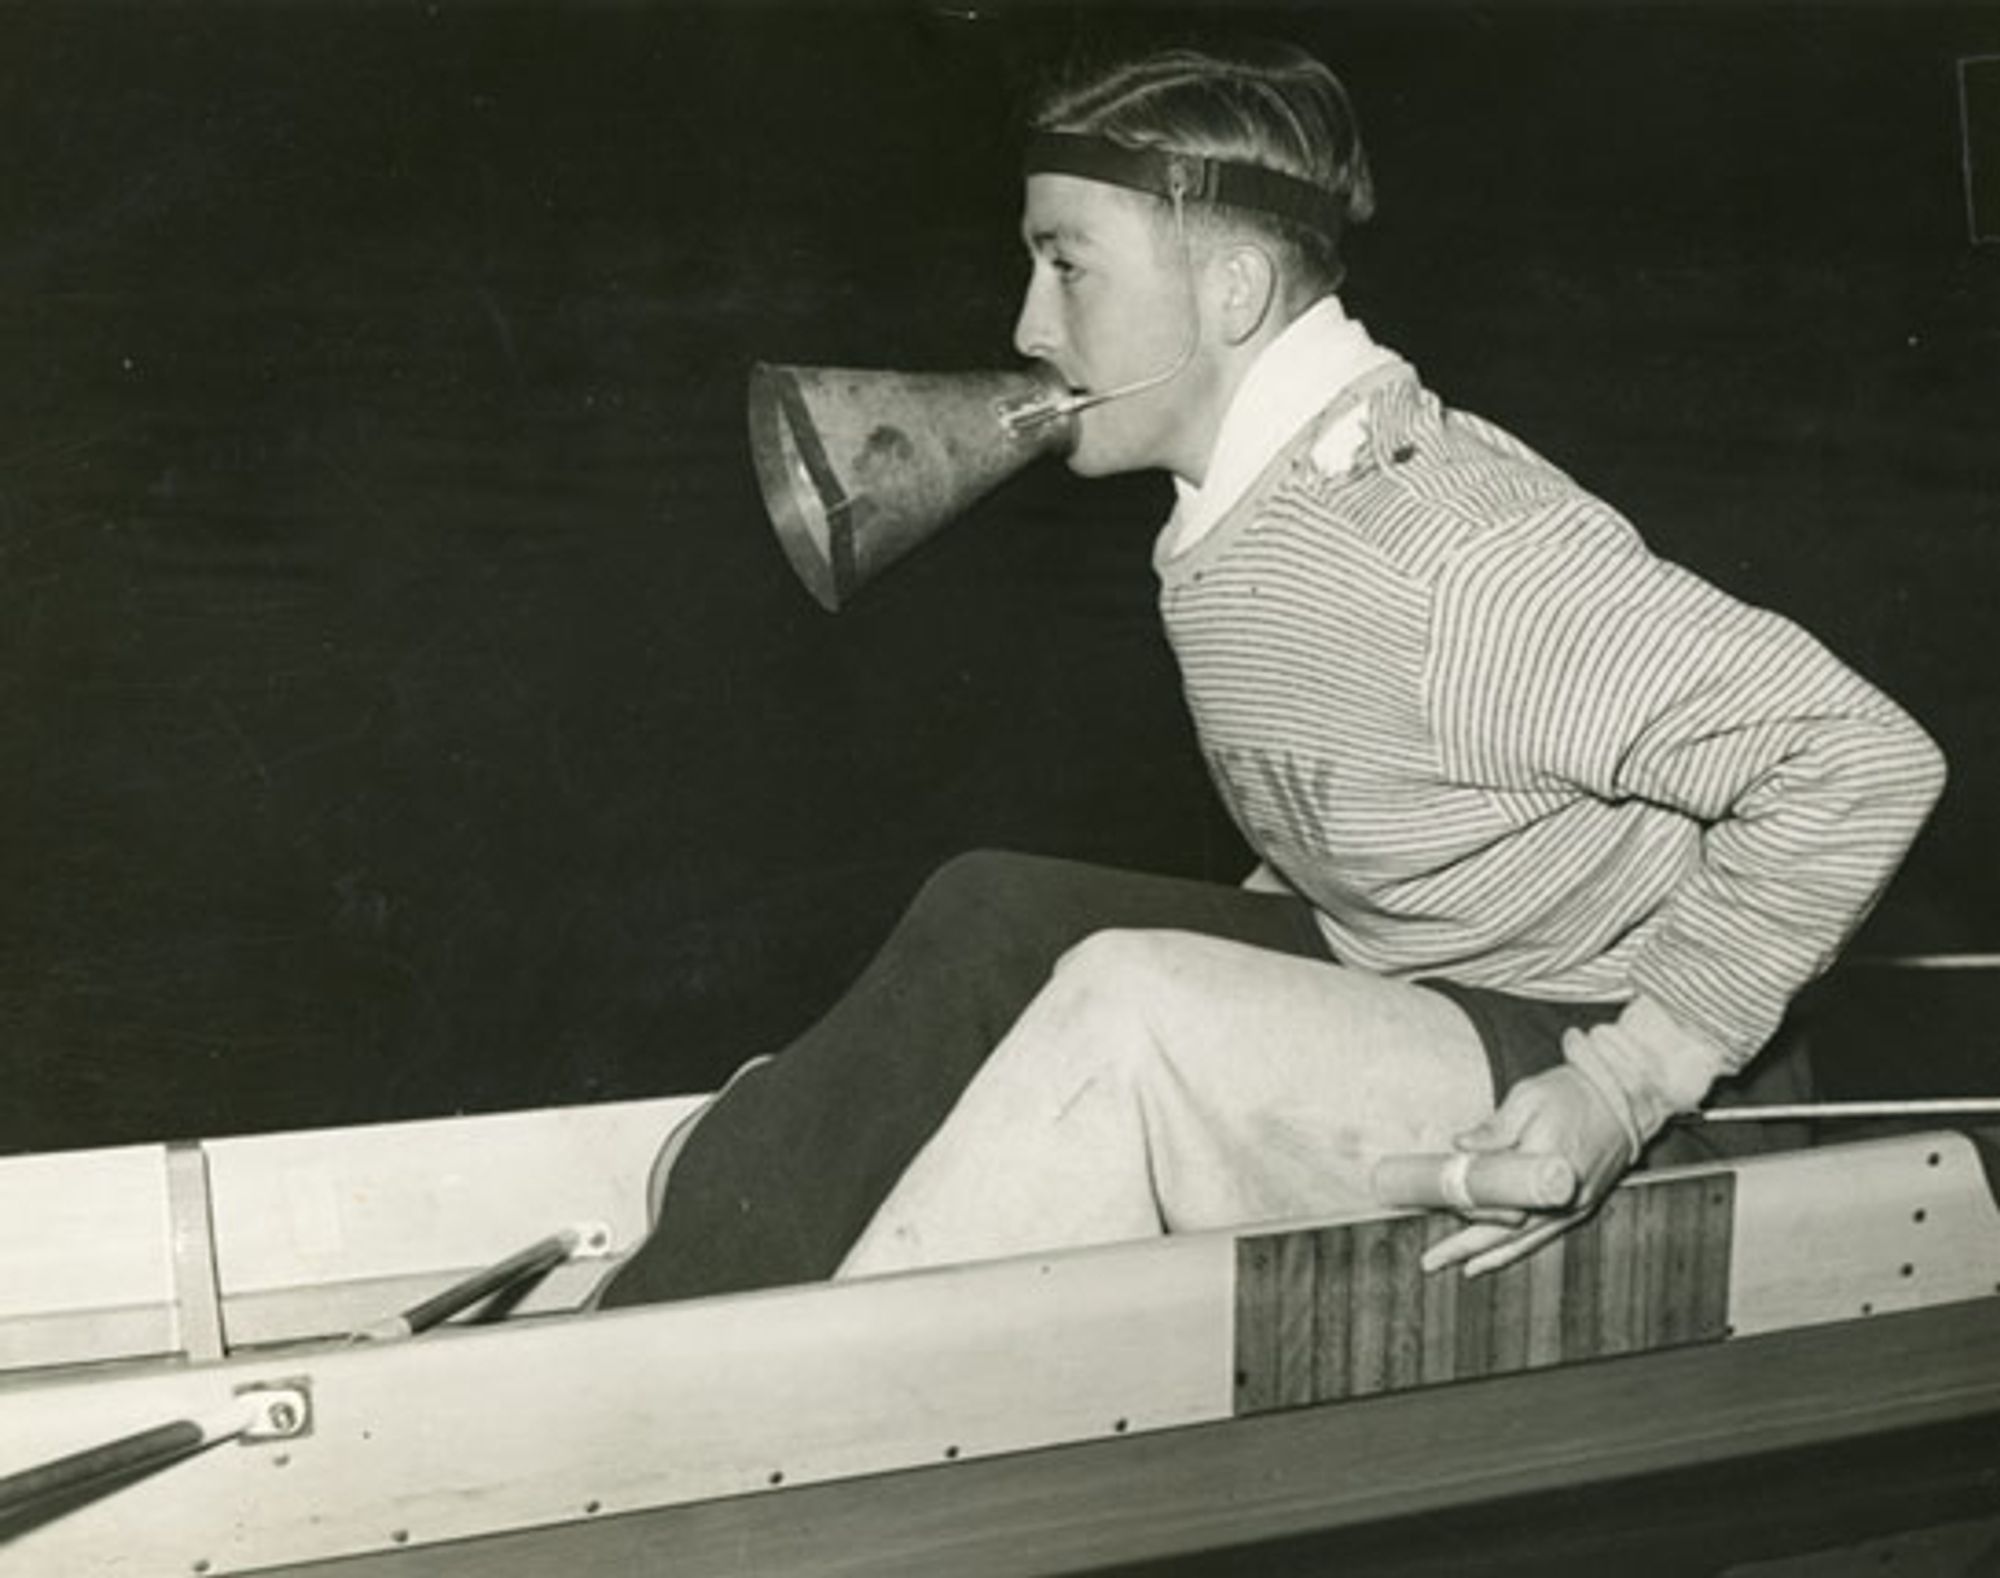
x=1162, y=172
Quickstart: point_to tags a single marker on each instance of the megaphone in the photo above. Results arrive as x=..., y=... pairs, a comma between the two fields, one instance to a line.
x=857, y=467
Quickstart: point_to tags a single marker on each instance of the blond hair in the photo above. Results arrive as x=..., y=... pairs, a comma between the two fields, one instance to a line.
x=1267, y=105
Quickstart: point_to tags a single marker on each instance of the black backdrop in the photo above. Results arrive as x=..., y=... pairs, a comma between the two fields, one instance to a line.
x=406, y=708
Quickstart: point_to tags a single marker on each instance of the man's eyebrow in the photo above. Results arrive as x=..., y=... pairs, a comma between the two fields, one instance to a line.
x=1058, y=234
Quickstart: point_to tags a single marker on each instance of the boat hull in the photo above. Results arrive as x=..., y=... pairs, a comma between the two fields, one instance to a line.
x=1093, y=1408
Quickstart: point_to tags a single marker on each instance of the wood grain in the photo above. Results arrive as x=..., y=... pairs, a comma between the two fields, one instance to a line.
x=1347, y=1311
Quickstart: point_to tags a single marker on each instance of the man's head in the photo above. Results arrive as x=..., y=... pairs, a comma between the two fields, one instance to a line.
x=1182, y=208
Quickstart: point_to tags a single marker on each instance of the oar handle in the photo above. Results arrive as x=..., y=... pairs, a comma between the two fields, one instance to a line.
x=1470, y=1181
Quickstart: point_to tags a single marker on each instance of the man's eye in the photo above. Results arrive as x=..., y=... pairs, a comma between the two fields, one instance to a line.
x=1065, y=270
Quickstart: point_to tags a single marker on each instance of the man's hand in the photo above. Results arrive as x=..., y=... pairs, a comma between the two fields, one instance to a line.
x=1557, y=1113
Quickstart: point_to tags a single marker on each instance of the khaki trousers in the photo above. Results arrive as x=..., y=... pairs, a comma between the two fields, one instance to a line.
x=1164, y=1081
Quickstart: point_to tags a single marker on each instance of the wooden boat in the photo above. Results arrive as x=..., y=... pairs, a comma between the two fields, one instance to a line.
x=1250, y=1391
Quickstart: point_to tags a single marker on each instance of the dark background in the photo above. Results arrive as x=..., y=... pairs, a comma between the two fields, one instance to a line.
x=407, y=709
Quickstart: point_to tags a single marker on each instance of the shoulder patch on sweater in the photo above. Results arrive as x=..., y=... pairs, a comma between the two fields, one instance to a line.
x=1334, y=450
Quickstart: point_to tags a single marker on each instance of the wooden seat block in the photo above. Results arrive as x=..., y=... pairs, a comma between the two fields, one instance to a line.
x=1347, y=1311
x=1678, y=1256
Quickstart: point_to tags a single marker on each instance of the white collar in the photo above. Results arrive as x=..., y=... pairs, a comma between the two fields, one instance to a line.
x=1319, y=353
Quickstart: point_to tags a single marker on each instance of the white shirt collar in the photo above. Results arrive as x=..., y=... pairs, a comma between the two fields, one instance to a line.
x=1319, y=353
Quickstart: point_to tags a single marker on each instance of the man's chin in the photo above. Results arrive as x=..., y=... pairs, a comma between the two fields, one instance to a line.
x=1110, y=443
x=1098, y=460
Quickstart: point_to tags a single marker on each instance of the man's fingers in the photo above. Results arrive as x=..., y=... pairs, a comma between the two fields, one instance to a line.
x=1503, y=1128
x=1518, y=1245
x=1466, y=1244
x=1489, y=1246
x=1496, y=1215
x=1496, y=1133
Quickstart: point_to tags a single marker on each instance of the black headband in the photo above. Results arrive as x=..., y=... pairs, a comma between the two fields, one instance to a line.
x=1164, y=173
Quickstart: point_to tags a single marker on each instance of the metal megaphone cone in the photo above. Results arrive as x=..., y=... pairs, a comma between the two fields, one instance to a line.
x=858, y=467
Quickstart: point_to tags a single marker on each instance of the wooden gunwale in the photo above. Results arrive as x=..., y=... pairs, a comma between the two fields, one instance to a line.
x=1304, y=1471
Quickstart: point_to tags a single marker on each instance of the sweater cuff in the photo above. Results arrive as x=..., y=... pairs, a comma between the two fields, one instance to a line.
x=1647, y=1065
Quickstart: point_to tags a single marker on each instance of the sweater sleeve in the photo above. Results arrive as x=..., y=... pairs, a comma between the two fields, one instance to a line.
x=1569, y=660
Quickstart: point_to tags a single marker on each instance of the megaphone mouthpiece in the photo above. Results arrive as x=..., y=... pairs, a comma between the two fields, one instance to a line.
x=857, y=467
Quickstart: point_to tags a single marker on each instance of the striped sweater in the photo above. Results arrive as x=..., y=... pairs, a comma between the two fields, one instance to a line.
x=1456, y=703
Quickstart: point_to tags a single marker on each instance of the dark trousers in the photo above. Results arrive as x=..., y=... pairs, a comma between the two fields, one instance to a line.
x=784, y=1171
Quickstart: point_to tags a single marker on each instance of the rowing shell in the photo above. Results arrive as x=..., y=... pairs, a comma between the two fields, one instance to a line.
x=1026, y=1416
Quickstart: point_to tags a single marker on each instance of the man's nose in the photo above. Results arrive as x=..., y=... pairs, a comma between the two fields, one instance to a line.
x=1034, y=329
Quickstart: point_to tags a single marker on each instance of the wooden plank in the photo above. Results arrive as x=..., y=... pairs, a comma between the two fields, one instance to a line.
x=1293, y=1474
x=1297, y=1279
x=1507, y=1349
x=1441, y=1307
x=1474, y=1345
x=1583, y=1279
x=1368, y=1302
x=1679, y=1292
x=1256, y=1338
x=1332, y=1314
x=1547, y=1273
x=1713, y=1256
x=1405, y=1363
x=1617, y=1228
x=1648, y=1292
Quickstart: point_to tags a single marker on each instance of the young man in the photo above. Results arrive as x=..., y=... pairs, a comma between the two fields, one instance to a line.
x=1544, y=821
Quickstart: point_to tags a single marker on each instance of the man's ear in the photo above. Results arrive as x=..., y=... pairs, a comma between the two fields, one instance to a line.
x=1247, y=276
